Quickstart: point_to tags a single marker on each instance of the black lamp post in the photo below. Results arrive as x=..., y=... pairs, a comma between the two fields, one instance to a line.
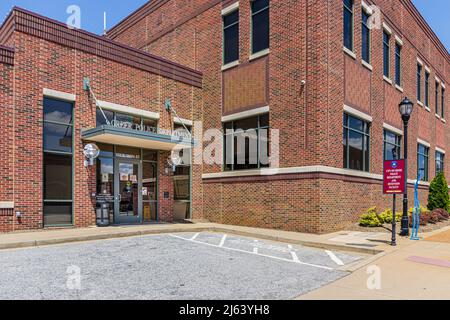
x=406, y=109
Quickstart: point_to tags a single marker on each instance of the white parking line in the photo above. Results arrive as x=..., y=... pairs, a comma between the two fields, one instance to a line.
x=334, y=258
x=255, y=249
x=222, y=242
x=293, y=254
x=195, y=236
x=250, y=252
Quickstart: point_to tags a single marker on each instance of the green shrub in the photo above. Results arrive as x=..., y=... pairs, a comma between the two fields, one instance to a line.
x=438, y=197
x=386, y=216
x=370, y=219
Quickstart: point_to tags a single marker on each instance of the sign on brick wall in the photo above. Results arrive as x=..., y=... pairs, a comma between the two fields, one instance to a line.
x=394, y=177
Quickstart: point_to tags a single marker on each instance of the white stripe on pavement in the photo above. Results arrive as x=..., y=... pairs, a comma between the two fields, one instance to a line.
x=334, y=258
x=195, y=236
x=249, y=252
x=222, y=242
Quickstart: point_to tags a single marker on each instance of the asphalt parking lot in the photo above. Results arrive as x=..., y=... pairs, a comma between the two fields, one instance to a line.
x=172, y=266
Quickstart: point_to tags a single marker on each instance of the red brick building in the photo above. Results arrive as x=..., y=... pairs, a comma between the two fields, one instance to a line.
x=327, y=76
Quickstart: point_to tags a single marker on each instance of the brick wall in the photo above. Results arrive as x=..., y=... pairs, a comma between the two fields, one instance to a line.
x=306, y=44
x=43, y=64
x=6, y=143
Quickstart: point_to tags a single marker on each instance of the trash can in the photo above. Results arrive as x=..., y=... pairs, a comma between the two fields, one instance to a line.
x=103, y=214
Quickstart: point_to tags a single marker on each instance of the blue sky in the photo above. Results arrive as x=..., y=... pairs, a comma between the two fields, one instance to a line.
x=436, y=12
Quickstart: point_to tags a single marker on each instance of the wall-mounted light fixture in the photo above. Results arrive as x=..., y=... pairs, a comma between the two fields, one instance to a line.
x=91, y=152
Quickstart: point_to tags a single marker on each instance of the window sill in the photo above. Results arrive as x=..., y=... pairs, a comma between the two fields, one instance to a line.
x=350, y=53
x=399, y=88
x=259, y=54
x=387, y=80
x=443, y=120
x=230, y=65
x=438, y=116
x=367, y=65
x=420, y=103
x=428, y=109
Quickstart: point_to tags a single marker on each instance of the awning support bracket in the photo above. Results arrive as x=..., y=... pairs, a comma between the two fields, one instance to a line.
x=87, y=87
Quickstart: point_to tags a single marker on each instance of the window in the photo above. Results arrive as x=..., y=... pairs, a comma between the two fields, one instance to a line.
x=365, y=37
x=398, y=64
x=423, y=155
x=182, y=181
x=439, y=162
x=436, y=100
x=260, y=25
x=443, y=103
x=392, y=146
x=386, y=54
x=58, y=167
x=356, y=144
x=348, y=24
x=231, y=37
x=419, y=82
x=246, y=143
x=427, y=89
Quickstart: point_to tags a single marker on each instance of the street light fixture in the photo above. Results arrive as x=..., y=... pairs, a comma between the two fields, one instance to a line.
x=406, y=108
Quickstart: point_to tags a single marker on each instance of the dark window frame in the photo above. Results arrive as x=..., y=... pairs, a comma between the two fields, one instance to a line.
x=442, y=102
x=71, y=124
x=397, y=144
x=419, y=82
x=440, y=161
x=224, y=41
x=227, y=133
x=426, y=155
x=366, y=29
x=436, y=97
x=427, y=89
x=255, y=14
x=350, y=11
x=398, y=64
x=365, y=134
x=386, y=54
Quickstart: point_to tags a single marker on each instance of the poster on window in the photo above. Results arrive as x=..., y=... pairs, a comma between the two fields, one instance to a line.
x=124, y=177
x=133, y=178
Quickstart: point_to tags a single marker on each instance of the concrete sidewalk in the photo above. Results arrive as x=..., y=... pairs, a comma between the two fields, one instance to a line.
x=342, y=241
x=414, y=270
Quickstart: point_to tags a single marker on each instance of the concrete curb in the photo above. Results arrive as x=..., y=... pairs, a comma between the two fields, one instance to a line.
x=126, y=234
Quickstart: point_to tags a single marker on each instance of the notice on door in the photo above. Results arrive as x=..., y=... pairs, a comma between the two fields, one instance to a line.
x=145, y=191
x=394, y=177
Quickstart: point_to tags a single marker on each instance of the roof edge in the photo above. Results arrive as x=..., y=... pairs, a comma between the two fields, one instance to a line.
x=427, y=28
x=6, y=55
x=55, y=31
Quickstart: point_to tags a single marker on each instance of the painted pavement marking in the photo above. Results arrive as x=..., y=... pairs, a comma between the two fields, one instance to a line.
x=430, y=261
x=334, y=258
x=252, y=252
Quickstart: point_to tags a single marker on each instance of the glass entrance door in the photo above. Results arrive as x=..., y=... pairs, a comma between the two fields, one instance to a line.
x=128, y=188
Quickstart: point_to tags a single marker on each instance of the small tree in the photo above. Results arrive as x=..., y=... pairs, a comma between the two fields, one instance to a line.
x=438, y=197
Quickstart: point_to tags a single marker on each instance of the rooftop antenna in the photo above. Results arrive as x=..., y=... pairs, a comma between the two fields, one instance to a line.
x=104, y=23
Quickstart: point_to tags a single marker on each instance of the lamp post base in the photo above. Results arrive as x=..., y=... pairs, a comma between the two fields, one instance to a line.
x=405, y=227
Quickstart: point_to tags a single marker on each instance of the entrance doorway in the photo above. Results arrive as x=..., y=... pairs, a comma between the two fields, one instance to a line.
x=128, y=186
x=130, y=177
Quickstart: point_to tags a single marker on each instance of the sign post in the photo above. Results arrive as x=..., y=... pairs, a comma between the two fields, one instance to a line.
x=394, y=183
